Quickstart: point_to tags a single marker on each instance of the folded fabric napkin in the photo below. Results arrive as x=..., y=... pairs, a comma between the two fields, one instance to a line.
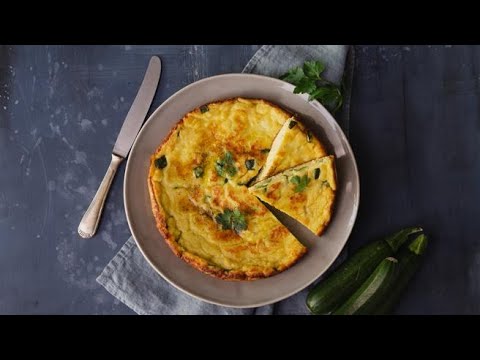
x=133, y=281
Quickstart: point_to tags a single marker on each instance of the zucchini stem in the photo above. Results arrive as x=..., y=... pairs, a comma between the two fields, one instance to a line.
x=398, y=239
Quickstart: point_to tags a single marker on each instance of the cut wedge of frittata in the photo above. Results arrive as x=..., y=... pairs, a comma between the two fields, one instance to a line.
x=305, y=192
x=293, y=145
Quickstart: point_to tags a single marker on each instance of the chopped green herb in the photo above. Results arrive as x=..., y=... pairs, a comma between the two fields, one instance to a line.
x=161, y=162
x=300, y=182
x=302, y=168
x=317, y=173
x=226, y=165
x=204, y=109
x=265, y=151
x=198, y=171
x=292, y=124
x=250, y=164
x=232, y=220
x=309, y=136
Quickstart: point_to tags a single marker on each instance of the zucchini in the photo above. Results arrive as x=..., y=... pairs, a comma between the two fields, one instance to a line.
x=330, y=293
x=409, y=260
x=366, y=299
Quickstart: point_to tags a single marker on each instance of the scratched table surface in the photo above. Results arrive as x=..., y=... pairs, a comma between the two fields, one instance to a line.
x=414, y=128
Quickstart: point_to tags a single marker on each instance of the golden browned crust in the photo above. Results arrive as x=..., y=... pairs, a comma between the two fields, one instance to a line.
x=330, y=210
x=231, y=100
x=332, y=205
x=196, y=261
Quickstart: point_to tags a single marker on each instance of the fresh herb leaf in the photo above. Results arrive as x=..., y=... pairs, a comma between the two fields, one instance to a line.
x=198, y=171
x=232, y=220
x=238, y=221
x=265, y=151
x=300, y=182
x=295, y=180
x=161, y=162
x=308, y=80
x=224, y=219
x=306, y=85
x=313, y=69
x=204, y=109
x=293, y=76
x=329, y=95
x=250, y=164
x=292, y=124
x=226, y=165
x=316, y=173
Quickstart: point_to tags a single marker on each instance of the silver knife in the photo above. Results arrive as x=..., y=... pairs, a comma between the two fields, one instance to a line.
x=130, y=128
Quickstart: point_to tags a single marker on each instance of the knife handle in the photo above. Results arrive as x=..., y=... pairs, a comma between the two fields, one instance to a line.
x=89, y=223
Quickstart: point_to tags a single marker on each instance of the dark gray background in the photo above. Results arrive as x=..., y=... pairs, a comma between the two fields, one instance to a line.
x=414, y=128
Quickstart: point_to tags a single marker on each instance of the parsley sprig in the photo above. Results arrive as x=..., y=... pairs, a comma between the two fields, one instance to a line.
x=232, y=220
x=308, y=80
x=300, y=182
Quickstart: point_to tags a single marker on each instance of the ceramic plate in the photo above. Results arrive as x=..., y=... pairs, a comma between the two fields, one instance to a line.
x=322, y=250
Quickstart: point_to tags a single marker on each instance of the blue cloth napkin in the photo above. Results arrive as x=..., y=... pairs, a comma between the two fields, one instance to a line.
x=130, y=278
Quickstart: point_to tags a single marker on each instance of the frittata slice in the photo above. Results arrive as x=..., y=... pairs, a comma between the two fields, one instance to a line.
x=305, y=192
x=293, y=145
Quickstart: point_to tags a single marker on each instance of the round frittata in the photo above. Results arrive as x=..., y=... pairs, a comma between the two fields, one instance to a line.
x=198, y=182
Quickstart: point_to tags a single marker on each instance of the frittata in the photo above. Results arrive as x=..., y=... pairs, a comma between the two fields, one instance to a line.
x=293, y=145
x=200, y=201
x=201, y=204
x=305, y=192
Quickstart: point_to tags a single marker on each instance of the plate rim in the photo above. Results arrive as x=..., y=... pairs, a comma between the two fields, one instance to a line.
x=129, y=215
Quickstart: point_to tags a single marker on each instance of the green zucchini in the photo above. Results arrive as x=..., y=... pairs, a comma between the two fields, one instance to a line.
x=409, y=260
x=330, y=293
x=366, y=299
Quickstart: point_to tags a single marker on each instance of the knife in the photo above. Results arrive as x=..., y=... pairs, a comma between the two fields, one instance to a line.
x=130, y=128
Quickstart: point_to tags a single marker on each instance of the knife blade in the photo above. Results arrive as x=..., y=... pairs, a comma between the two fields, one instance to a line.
x=138, y=111
x=125, y=139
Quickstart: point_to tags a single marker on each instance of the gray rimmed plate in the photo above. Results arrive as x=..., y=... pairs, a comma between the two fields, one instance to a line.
x=322, y=250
